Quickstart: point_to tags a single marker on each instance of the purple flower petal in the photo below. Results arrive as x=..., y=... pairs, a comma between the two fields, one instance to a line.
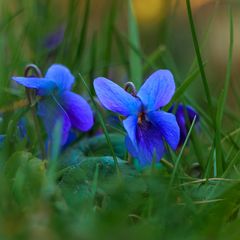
x=150, y=143
x=44, y=86
x=145, y=139
x=61, y=76
x=115, y=98
x=167, y=125
x=183, y=130
x=130, y=125
x=54, y=39
x=157, y=90
x=188, y=112
x=72, y=136
x=78, y=110
x=182, y=113
x=131, y=149
x=51, y=111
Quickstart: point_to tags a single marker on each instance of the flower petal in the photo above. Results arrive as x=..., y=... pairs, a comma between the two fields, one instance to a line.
x=131, y=149
x=157, y=90
x=61, y=76
x=51, y=111
x=150, y=143
x=130, y=125
x=167, y=125
x=183, y=130
x=72, y=136
x=144, y=141
x=115, y=98
x=185, y=115
x=44, y=86
x=191, y=112
x=78, y=110
x=54, y=39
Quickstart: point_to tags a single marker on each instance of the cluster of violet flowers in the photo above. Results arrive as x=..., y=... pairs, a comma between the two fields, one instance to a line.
x=148, y=127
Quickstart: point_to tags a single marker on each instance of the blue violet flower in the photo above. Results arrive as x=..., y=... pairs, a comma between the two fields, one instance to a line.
x=58, y=102
x=54, y=39
x=147, y=126
x=185, y=116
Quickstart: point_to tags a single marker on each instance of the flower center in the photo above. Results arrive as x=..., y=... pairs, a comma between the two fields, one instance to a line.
x=141, y=117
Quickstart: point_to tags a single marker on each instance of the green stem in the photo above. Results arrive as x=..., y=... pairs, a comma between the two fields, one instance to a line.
x=31, y=95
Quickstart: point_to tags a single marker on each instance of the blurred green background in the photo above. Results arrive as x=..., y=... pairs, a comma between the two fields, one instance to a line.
x=163, y=27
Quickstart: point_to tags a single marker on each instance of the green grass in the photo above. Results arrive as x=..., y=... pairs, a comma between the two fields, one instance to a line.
x=93, y=189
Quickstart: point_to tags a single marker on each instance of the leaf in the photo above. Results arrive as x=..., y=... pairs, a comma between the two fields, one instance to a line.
x=80, y=174
x=95, y=146
x=26, y=174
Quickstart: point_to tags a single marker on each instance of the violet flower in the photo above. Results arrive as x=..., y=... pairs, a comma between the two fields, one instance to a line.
x=147, y=126
x=57, y=102
x=54, y=39
x=185, y=116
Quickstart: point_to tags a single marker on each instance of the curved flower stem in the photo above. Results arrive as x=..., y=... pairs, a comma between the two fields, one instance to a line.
x=130, y=86
x=33, y=67
x=31, y=95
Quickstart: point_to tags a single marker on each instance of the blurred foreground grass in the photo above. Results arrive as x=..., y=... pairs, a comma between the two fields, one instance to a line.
x=76, y=194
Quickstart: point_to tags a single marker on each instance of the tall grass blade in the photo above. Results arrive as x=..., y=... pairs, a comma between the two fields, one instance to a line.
x=83, y=34
x=176, y=166
x=199, y=58
x=102, y=124
x=135, y=60
x=222, y=100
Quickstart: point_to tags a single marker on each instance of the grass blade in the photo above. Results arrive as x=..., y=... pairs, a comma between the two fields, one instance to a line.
x=103, y=125
x=135, y=60
x=108, y=36
x=222, y=101
x=198, y=53
x=179, y=92
x=176, y=166
x=83, y=34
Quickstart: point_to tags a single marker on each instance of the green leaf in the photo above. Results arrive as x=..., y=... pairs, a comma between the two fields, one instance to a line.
x=78, y=174
x=95, y=146
x=26, y=174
